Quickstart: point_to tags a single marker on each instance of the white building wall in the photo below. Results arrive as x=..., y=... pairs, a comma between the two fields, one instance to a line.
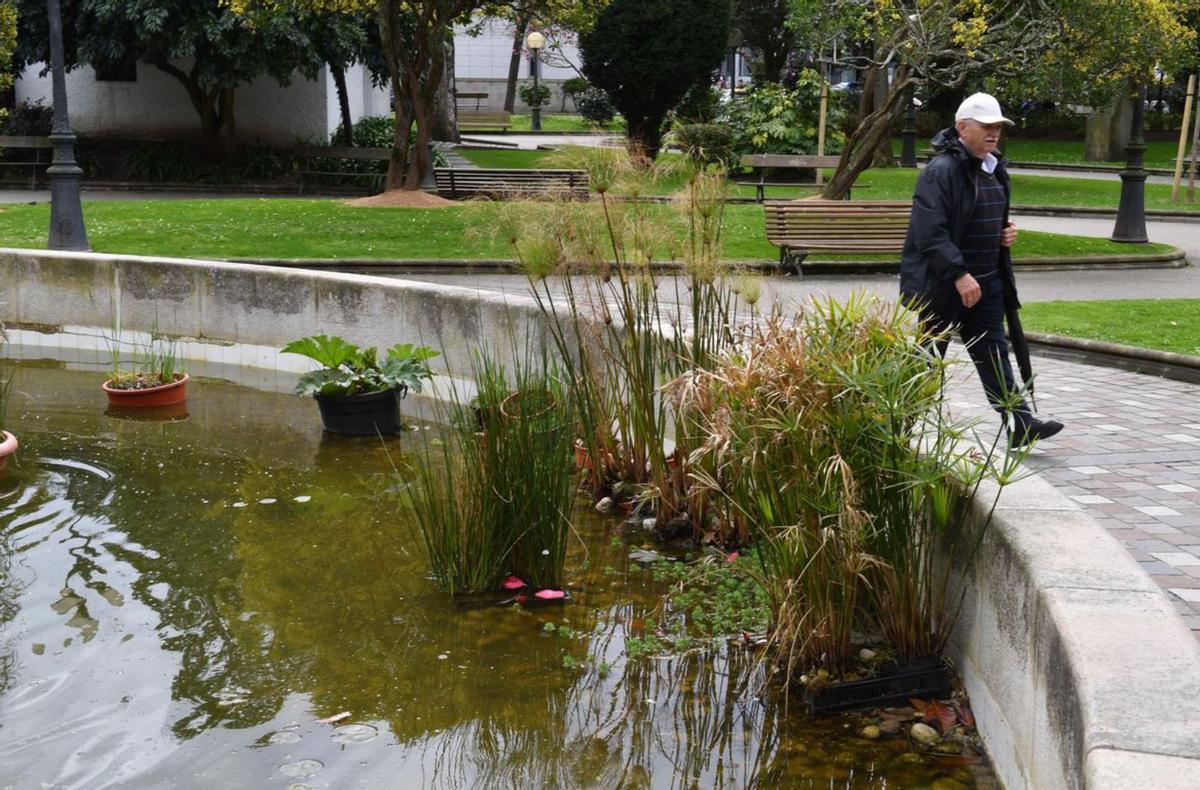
x=481, y=65
x=156, y=106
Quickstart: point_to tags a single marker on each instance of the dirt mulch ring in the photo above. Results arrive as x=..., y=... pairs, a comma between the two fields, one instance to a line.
x=402, y=198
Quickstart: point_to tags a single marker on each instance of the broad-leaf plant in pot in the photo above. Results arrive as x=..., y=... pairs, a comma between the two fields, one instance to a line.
x=357, y=391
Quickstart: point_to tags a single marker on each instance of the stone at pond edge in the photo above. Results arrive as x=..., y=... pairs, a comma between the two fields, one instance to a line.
x=605, y=505
x=923, y=733
x=649, y=524
x=870, y=732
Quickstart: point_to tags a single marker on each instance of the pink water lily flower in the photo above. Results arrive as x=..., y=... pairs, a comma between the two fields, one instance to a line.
x=731, y=557
x=512, y=583
x=550, y=595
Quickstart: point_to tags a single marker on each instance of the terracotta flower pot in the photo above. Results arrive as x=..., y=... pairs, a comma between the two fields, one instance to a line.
x=162, y=395
x=7, y=447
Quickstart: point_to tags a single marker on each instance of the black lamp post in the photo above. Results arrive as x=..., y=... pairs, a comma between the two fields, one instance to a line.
x=1131, y=214
x=535, y=41
x=66, y=212
x=908, y=136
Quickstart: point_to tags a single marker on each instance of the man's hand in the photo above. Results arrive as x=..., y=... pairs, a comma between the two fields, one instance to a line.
x=1008, y=236
x=968, y=289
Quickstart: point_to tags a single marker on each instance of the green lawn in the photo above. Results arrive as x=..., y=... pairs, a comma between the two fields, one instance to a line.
x=517, y=159
x=897, y=184
x=1164, y=324
x=1159, y=153
x=287, y=228
x=563, y=122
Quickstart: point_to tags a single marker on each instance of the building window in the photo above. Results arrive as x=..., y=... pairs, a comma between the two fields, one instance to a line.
x=122, y=71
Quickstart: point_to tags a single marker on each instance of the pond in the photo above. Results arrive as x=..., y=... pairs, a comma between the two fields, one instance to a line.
x=234, y=600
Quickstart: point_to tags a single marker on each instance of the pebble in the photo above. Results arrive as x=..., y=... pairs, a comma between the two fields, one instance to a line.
x=923, y=733
x=870, y=732
x=866, y=654
x=605, y=505
x=649, y=524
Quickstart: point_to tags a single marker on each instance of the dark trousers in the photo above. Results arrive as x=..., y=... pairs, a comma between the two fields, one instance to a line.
x=982, y=330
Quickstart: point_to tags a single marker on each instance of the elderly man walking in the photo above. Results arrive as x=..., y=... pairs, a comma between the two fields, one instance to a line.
x=956, y=267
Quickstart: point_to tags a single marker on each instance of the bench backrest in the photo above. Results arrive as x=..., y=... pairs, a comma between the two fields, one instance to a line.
x=870, y=225
x=341, y=152
x=789, y=160
x=454, y=181
x=23, y=141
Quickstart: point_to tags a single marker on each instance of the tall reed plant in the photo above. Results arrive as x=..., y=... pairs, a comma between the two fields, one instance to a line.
x=633, y=303
x=827, y=442
x=495, y=497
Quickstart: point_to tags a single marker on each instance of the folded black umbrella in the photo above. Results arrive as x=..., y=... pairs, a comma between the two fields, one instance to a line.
x=1020, y=346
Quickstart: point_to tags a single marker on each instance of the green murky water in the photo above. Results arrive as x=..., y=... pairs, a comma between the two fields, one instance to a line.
x=185, y=601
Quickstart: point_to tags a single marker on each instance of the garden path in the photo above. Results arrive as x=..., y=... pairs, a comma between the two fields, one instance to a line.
x=1130, y=457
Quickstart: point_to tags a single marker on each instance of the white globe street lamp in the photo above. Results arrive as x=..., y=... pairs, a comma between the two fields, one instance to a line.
x=535, y=41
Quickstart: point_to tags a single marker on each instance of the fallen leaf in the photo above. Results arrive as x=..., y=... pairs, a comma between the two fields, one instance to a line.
x=964, y=714
x=335, y=718
x=943, y=715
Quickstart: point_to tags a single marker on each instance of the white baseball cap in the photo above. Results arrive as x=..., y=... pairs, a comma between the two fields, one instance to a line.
x=981, y=107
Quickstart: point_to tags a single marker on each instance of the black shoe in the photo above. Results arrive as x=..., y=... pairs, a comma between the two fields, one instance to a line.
x=1029, y=432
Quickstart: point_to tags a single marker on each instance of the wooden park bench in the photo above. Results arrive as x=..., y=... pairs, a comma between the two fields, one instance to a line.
x=497, y=120
x=478, y=97
x=35, y=154
x=455, y=182
x=309, y=158
x=769, y=163
x=798, y=227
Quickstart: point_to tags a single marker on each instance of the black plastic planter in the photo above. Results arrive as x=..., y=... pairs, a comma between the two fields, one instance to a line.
x=895, y=684
x=366, y=414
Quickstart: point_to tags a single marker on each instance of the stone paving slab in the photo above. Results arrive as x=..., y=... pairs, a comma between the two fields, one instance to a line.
x=1129, y=457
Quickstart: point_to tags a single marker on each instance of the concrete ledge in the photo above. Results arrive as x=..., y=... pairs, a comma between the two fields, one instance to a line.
x=1080, y=673
x=240, y=314
x=1069, y=650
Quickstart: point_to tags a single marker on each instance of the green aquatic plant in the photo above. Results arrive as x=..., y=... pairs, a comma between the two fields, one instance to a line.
x=829, y=446
x=152, y=364
x=347, y=369
x=495, y=498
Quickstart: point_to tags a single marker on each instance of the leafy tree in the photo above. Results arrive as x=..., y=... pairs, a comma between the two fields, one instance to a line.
x=645, y=54
x=224, y=49
x=771, y=119
x=950, y=43
x=8, y=46
x=763, y=25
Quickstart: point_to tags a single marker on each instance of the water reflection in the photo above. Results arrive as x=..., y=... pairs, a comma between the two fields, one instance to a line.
x=187, y=600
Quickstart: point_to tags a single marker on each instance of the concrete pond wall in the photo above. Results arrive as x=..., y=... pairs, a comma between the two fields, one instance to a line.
x=1080, y=673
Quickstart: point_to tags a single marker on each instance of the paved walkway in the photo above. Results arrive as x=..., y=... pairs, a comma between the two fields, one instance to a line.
x=1130, y=457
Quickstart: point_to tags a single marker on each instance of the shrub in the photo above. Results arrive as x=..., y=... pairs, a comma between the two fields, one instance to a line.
x=28, y=119
x=375, y=131
x=534, y=95
x=770, y=119
x=595, y=106
x=572, y=88
x=706, y=143
x=166, y=162
x=701, y=104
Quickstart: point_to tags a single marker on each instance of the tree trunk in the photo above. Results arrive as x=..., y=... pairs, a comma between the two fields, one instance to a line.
x=228, y=120
x=645, y=139
x=339, y=81
x=445, y=117
x=204, y=102
x=514, y=63
x=861, y=146
x=391, y=47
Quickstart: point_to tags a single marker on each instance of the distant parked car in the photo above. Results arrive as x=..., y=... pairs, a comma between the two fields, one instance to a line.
x=842, y=87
